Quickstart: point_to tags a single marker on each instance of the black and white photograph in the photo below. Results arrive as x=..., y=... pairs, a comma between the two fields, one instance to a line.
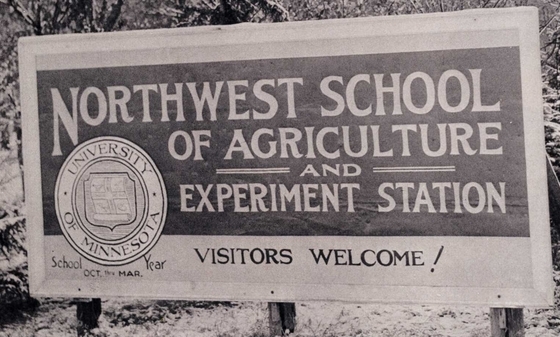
x=256, y=168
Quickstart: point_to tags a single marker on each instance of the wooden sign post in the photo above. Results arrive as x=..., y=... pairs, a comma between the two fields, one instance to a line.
x=87, y=313
x=506, y=322
x=281, y=318
x=394, y=159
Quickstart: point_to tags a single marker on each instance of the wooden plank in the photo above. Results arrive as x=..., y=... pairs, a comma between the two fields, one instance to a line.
x=288, y=315
x=281, y=318
x=274, y=321
x=506, y=322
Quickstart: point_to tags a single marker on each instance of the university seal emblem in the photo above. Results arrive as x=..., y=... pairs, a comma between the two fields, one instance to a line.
x=110, y=201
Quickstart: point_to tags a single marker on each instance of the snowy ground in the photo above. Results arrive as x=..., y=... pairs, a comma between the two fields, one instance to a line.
x=57, y=317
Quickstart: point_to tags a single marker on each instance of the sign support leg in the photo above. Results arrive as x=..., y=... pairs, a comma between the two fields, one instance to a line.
x=506, y=322
x=281, y=318
x=87, y=312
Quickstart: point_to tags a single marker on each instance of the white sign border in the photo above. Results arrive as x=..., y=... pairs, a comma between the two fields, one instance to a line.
x=399, y=34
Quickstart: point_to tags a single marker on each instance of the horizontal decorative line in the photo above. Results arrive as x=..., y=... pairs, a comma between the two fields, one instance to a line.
x=412, y=167
x=254, y=170
x=415, y=169
x=405, y=171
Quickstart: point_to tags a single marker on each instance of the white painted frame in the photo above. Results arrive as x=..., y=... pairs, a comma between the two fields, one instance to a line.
x=458, y=30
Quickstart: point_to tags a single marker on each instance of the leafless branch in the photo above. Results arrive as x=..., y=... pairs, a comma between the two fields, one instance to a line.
x=419, y=10
x=21, y=11
x=547, y=23
x=212, y=6
x=497, y=3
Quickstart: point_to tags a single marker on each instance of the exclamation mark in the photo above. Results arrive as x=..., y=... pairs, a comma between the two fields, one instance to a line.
x=437, y=257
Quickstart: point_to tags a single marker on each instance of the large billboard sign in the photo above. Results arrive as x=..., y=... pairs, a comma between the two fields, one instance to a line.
x=380, y=159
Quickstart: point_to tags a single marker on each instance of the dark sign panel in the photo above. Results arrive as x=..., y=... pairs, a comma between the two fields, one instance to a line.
x=324, y=165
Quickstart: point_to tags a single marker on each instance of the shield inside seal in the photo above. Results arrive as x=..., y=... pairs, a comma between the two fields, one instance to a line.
x=110, y=199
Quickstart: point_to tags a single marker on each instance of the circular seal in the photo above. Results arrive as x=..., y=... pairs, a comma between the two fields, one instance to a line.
x=110, y=201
